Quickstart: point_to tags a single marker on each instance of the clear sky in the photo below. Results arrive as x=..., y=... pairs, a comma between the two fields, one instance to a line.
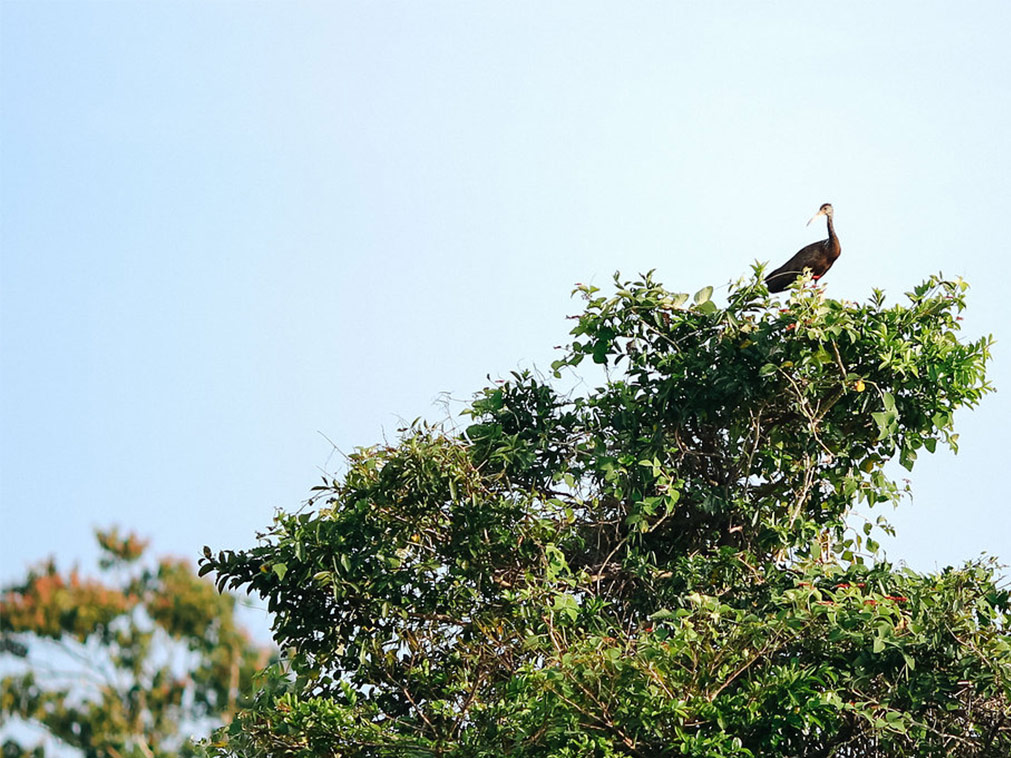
x=233, y=231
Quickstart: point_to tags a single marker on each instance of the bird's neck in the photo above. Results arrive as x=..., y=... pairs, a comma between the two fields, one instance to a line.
x=833, y=241
x=831, y=229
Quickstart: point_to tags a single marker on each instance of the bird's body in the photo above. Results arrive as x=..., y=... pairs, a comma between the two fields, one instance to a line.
x=818, y=257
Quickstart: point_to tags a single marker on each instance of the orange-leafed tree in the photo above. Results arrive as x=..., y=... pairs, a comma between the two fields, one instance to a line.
x=131, y=663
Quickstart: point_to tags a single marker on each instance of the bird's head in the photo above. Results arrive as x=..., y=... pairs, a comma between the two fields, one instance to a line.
x=825, y=210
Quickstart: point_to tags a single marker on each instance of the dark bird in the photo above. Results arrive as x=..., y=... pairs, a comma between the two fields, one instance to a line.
x=818, y=256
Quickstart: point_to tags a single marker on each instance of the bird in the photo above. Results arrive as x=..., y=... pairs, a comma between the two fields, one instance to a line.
x=818, y=257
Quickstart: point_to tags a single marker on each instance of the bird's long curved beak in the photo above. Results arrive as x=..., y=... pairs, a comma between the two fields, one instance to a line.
x=819, y=213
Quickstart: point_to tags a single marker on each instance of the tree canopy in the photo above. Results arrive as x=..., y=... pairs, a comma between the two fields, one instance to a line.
x=127, y=664
x=668, y=564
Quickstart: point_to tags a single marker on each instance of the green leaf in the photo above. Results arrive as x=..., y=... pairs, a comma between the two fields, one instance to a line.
x=887, y=423
x=703, y=295
x=708, y=307
x=567, y=605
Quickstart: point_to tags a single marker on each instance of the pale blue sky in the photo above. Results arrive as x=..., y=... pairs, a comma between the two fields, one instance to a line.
x=229, y=229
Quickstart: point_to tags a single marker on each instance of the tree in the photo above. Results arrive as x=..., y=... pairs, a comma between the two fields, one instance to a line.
x=121, y=665
x=667, y=565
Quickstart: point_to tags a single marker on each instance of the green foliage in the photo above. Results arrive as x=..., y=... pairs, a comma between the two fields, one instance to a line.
x=123, y=667
x=667, y=565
